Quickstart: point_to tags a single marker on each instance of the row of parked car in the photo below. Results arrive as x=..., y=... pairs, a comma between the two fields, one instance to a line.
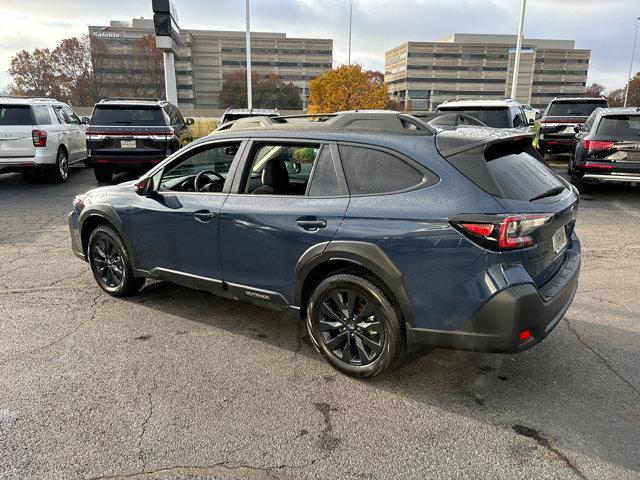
x=42, y=136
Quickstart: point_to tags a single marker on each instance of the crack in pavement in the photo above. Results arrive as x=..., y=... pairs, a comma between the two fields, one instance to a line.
x=143, y=428
x=94, y=305
x=545, y=443
x=264, y=472
x=602, y=359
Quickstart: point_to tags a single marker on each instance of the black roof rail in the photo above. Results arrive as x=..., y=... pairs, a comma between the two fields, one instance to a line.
x=131, y=99
x=353, y=120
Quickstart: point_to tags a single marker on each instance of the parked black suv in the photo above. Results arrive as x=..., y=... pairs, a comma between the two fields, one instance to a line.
x=133, y=135
x=557, y=126
x=607, y=148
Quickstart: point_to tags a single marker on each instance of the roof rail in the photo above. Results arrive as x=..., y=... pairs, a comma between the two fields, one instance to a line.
x=353, y=120
x=22, y=97
x=130, y=99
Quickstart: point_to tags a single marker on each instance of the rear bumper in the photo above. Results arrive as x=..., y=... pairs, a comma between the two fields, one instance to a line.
x=124, y=163
x=497, y=325
x=24, y=164
x=612, y=178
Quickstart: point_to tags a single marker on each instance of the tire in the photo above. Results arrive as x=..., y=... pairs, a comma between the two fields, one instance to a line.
x=352, y=337
x=103, y=175
x=106, y=249
x=580, y=184
x=59, y=173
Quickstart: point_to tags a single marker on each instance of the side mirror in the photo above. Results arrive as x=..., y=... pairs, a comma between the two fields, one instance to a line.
x=85, y=120
x=144, y=187
x=577, y=128
x=532, y=122
x=189, y=121
x=295, y=167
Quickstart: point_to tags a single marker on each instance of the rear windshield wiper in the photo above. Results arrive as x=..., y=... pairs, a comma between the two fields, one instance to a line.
x=549, y=193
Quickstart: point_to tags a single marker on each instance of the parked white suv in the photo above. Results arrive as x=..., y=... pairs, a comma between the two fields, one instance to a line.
x=40, y=136
x=501, y=113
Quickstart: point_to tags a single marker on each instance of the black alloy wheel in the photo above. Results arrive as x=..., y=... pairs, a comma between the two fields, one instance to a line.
x=350, y=326
x=111, y=264
x=355, y=326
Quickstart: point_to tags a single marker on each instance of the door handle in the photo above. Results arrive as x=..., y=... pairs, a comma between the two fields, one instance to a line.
x=311, y=223
x=203, y=216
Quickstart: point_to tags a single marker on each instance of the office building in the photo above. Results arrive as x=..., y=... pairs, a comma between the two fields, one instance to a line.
x=203, y=59
x=475, y=66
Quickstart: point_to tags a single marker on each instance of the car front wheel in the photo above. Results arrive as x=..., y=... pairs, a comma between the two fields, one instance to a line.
x=111, y=264
x=354, y=326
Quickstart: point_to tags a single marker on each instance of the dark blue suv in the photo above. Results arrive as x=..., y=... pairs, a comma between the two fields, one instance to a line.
x=380, y=230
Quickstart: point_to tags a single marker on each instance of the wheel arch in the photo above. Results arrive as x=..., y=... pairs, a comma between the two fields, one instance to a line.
x=96, y=215
x=360, y=258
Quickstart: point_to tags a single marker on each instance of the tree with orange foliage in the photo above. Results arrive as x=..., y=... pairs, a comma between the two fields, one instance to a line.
x=347, y=87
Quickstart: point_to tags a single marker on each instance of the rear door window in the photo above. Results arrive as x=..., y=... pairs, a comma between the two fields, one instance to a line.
x=128, y=116
x=15, y=115
x=574, y=109
x=324, y=182
x=370, y=171
x=497, y=117
x=620, y=127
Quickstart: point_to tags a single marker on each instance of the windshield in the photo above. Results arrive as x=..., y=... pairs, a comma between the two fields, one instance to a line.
x=15, y=115
x=578, y=109
x=623, y=127
x=134, y=116
x=497, y=117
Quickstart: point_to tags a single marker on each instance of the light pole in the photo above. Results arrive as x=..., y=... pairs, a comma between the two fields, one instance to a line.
x=350, y=16
x=633, y=54
x=248, y=48
x=516, y=66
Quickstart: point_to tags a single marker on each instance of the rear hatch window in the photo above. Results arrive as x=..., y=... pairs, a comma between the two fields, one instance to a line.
x=510, y=170
x=620, y=127
x=497, y=117
x=128, y=116
x=15, y=115
x=574, y=108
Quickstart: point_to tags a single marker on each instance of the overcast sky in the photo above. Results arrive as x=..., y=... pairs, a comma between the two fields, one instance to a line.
x=604, y=26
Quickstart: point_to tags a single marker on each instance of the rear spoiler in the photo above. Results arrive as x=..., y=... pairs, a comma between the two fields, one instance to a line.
x=453, y=142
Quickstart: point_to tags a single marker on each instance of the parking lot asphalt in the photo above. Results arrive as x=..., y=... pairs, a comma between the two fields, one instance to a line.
x=179, y=384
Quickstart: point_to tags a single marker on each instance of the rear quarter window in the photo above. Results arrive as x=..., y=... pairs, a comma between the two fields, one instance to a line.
x=41, y=115
x=128, y=116
x=370, y=171
x=15, y=115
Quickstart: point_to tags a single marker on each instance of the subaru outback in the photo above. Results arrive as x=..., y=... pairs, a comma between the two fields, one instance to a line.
x=379, y=230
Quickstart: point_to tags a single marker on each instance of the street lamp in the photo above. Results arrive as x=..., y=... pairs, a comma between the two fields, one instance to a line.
x=248, y=49
x=516, y=66
x=350, y=16
x=633, y=54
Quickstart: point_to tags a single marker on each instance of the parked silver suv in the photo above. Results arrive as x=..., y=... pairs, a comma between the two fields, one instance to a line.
x=40, y=136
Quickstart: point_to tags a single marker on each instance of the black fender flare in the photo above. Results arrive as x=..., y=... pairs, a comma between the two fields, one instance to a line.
x=109, y=214
x=366, y=255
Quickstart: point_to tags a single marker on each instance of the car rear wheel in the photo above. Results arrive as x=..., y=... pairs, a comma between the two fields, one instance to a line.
x=111, y=264
x=577, y=180
x=354, y=326
x=59, y=173
x=103, y=174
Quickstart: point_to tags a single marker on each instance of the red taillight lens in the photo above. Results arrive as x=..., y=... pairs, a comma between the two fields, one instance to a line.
x=592, y=145
x=39, y=138
x=478, y=229
x=598, y=166
x=515, y=230
x=506, y=233
x=524, y=335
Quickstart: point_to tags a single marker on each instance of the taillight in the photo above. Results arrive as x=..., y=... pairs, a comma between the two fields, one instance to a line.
x=94, y=136
x=592, y=145
x=164, y=136
x=505, y=233
x=39, y=138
